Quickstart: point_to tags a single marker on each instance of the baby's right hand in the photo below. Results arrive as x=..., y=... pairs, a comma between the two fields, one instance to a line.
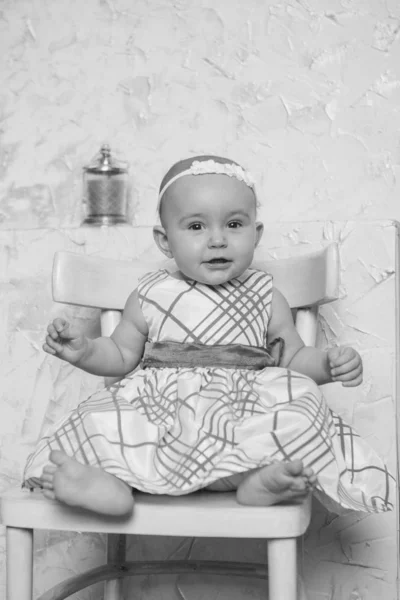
x=65, y=341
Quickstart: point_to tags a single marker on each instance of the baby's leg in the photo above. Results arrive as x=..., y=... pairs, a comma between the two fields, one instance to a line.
x=276, y=483
x=86, y=487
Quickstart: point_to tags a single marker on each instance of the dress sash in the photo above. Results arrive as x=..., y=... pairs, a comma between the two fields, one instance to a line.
x=229, y=356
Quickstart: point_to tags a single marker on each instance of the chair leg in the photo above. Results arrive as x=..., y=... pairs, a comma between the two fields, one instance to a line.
x=282, y=569
x=19, y=558
x=116, y=554
x=113, y=589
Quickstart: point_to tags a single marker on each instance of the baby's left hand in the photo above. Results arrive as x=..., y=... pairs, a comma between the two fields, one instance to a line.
x=345, y=365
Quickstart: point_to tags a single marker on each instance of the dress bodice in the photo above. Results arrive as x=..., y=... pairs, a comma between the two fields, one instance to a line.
x=235, y=312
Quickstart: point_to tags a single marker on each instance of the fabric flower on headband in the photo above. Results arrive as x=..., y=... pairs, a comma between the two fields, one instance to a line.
x=203, y=167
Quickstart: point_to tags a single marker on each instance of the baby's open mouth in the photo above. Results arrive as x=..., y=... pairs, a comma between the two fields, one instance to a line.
x=215, y=261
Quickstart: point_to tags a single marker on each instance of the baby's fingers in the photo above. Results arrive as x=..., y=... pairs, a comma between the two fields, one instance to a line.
x=52, y=347
x=350, y=378
x=348, y=366
x=354, y=382
x=60, y=329
x=55, y=328
x=60, y=325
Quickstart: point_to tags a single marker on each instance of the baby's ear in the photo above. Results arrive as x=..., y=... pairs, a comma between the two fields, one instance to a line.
x=161, y=239
x=259, y=232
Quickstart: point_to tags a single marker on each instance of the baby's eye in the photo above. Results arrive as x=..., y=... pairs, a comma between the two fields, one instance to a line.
x=234, y=224
x=195, y=226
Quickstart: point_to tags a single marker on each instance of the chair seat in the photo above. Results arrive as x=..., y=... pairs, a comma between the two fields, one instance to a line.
x=203, y=514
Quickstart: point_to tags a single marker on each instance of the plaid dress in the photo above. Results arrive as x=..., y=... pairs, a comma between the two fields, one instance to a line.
x=175, y=430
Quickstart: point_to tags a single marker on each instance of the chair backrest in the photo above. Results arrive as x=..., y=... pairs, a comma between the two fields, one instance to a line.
x=306, y=281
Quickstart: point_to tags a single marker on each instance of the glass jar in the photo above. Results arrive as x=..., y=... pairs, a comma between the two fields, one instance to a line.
x=105, y=184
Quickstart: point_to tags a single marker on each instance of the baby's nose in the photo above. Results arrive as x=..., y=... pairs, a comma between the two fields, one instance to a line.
x=217, y=239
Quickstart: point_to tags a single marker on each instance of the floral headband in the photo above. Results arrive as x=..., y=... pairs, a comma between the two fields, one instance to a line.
x=208, y=167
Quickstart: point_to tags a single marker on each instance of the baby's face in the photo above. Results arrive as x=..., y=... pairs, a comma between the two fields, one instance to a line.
x=210, y=223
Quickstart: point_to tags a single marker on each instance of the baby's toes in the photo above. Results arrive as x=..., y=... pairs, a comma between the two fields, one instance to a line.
x=311, y=482
x=47, y=478
x=293, y=468
x=308, y=472
x=47, y=485
x=312, y=479
x=49, y=470
x=298, y=485
x=49, y=494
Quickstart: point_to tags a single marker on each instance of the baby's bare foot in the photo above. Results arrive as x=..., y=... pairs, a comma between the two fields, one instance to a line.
x=276, y=483
x=87, y=487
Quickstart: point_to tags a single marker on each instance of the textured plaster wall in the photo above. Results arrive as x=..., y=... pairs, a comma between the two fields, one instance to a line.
x=304, y=93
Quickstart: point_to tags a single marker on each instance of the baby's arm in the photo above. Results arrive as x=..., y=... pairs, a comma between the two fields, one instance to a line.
x=113, y=356
x=337, y=364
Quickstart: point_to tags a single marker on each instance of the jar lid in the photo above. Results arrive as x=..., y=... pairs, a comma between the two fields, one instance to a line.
x=105, y=164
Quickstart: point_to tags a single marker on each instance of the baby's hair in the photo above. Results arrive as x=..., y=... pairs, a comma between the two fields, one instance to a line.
x=186, y=163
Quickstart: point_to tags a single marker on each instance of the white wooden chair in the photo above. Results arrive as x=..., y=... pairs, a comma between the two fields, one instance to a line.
x=307, y=282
